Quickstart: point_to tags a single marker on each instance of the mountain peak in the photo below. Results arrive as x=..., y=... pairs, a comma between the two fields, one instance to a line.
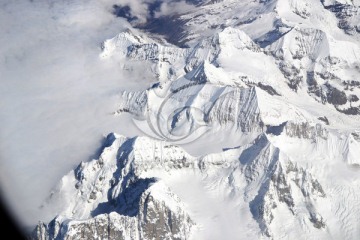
x=273, y=84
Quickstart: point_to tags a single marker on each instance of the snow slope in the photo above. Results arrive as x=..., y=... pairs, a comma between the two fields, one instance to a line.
x=245, y=124
x=248, y=190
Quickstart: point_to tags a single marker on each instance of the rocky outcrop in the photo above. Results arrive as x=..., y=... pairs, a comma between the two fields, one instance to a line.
x=304, y=57
x=111, y=200
x=122, y=194
x=155, y=220
x=235, y=69
x=280, y=181
x=299, y=130
x=347, y=12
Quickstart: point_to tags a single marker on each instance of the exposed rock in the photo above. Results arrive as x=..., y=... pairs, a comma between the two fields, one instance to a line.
x=154, y=220
x=317, y=220
x=299, y=130
x=278, y=178
x=350, y=111
x=335, y=96
x=324, y=119
x=347, y=13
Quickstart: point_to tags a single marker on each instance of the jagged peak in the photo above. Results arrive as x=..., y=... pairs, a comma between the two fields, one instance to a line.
x=263, y=165
x=281, y=183
x=161, y=192
x=137, y=218
x=235, y=38
x=119, y=44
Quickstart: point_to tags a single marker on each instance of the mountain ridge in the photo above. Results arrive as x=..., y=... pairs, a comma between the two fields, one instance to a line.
x=272, y=83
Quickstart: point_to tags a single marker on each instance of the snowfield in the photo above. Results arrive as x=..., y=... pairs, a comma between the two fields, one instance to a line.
x=224, y=120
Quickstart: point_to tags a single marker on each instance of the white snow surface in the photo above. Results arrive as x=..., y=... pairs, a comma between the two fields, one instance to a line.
x=249, y=129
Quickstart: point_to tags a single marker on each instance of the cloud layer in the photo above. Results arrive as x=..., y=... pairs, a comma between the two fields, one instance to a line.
x=147, y=9
x=56, y=95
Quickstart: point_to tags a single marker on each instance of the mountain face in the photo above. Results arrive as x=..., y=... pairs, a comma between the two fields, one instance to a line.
x=275, y=84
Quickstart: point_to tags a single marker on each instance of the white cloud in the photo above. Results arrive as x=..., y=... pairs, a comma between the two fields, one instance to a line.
x=56, y=95
x=140, y=8
x=172, y=7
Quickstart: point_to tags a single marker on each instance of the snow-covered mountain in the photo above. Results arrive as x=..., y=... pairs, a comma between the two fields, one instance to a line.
x=251, y=131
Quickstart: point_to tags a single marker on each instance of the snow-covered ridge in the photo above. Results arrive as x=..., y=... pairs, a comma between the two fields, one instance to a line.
x=301, y=59
x=108, y=197
x=134, y=175
x=281, y=77
x=348, y=13
x=168, y=62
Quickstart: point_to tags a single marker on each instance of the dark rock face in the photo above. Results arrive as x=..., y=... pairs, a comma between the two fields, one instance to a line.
x=356, y=136
x=323, y=83
x=170, y=27
x=268, y=89
x=154, y=220
x=279, y=181
x=335, y=96
x=324, y=119
x=350, y=111
x=115, y=202
x=278, y=189
x=317, y=221
x=299, y=130
x=283, y=189
x=102, y=227
x=305, y=130
x=353, y=98
x=345, y=12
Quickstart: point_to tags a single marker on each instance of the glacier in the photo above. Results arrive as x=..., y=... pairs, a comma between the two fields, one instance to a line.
x=248, y=126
